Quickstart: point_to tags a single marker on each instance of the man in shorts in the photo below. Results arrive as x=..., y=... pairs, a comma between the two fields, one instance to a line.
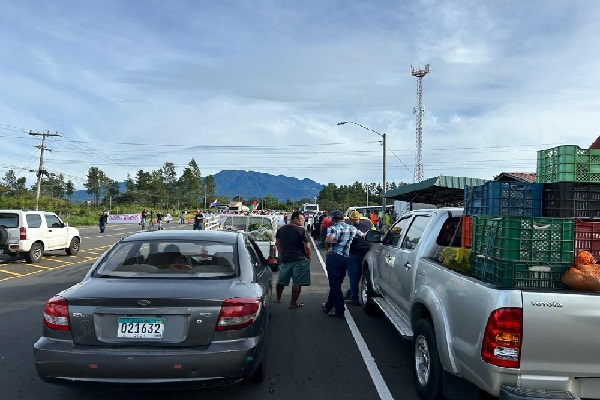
x=293, y=247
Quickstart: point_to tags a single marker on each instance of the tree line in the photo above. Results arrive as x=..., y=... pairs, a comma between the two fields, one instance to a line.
x=164, y=189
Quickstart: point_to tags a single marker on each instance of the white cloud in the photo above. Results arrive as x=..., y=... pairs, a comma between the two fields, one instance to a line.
x=131, y=85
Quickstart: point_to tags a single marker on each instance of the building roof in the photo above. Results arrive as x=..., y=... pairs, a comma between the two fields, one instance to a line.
x=516, y=176
x=440, y=190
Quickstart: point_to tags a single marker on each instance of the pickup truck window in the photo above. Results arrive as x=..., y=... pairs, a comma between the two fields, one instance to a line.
x=415, y=231
x=396, y=231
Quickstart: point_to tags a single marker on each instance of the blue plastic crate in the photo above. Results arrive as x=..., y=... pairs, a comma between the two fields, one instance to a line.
x=521, y=199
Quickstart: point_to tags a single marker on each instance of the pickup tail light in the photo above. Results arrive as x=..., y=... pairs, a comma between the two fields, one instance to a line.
x=22, y=233
x=502, y=338
x=56, y=314
x=272, y=255
x=238, y=313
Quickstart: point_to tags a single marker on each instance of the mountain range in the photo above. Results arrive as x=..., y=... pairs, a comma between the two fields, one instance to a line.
x=247, y=184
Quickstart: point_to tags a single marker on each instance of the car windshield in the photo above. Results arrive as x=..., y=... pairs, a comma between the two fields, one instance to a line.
x=140, y=259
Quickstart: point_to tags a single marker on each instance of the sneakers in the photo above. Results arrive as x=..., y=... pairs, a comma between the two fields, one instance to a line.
x=332, y=313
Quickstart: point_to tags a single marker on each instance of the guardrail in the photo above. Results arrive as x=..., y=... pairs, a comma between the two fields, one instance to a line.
x=211, y=223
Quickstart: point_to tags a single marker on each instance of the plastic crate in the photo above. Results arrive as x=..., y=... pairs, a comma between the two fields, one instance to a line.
x=571, y=200
x=539, y=239
x=518, y=274
x=504, y=198
x=569, y=163
x=587, y=237
x=466, y=228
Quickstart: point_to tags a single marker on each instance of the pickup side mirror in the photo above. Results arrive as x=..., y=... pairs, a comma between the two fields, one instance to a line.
x=373, y=236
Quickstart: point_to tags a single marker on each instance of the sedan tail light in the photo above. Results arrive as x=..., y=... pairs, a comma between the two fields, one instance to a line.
x=56, y=314
x=238, y=313
x=22, y=233
x=502, y=338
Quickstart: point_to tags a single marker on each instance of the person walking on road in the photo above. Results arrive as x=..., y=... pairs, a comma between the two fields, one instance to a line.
x=198, y=221
x=143, y=219
x=182, y=217
x=325, y=223
x=159, y=218
x=293, y=246
x=338, y=241
x=358, y=249
x=102, y=221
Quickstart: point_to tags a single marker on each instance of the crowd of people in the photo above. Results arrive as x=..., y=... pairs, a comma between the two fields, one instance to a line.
x=343, y=238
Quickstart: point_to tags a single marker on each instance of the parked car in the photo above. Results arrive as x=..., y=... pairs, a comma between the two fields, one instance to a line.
x=176, y=306
x=30, y=233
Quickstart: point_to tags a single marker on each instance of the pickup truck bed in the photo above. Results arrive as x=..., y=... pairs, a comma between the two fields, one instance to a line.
x=533, y=341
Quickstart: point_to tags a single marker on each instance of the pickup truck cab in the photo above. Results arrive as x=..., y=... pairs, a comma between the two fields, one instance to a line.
x=30, y=233
x=515, y=343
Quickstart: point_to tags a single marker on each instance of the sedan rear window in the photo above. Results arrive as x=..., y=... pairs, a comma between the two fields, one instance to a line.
x=175, y=259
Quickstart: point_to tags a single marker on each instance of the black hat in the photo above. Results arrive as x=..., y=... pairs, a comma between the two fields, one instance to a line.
x=337, y=215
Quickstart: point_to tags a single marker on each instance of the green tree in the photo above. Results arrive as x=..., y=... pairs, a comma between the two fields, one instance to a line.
x=96, y=179
x=129, y=183
x=210, y=187
x=69, y=190
x=143, y=180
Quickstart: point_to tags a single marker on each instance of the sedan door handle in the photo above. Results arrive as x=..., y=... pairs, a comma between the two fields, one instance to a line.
x=407, y=265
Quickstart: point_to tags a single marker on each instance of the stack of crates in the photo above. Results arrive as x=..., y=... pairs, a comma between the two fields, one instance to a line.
x=526, y=235
x=571, y=179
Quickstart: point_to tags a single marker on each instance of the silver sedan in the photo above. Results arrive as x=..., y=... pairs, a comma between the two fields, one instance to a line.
x=183, y=307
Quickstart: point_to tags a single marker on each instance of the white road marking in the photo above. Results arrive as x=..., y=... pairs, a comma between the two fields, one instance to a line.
x=378, y=381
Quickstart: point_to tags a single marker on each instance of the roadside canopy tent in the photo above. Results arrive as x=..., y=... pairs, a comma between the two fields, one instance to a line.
x=441, y=190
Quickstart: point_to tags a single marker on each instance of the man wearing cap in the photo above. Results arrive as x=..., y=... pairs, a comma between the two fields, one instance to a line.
x=338, y=240
x=358, y=249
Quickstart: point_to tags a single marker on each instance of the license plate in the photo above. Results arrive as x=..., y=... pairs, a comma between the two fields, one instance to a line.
x=141, y=328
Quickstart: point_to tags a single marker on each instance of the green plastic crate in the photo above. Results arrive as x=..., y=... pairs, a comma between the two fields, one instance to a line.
x=536, y=239
x=569, y=163
x=518, y=274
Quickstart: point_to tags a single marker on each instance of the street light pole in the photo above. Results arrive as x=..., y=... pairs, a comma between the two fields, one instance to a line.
x=383, y=143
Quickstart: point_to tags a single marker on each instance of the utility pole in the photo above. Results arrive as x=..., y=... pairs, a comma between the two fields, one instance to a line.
x=41, y=170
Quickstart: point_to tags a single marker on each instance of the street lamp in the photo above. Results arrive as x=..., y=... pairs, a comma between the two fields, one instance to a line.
x=383, y=136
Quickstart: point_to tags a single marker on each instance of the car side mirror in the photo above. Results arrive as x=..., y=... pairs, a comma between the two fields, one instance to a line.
x=373, y=236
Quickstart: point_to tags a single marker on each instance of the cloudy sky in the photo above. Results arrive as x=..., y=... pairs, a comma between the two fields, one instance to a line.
x=261, y=85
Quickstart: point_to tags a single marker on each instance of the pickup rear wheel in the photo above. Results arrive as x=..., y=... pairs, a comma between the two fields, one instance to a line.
x=366, y=293
x=73, y=248
x=427, y=369
x=35, y=253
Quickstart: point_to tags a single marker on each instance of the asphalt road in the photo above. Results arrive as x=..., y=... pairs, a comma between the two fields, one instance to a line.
x=309, y=356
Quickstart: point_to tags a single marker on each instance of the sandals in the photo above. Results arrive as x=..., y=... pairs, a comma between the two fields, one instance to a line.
x=297, y=305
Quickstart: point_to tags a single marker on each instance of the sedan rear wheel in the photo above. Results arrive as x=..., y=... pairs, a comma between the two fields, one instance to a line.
x=35, y=253
x=73, y=248
x=260, y=372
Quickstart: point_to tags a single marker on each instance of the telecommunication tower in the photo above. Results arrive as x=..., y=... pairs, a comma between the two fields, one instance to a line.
x=418, y=111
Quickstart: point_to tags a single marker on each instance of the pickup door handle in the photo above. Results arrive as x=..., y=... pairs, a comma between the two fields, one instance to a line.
x=407, y=265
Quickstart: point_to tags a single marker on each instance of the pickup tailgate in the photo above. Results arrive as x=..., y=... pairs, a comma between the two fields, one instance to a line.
x=560, y=334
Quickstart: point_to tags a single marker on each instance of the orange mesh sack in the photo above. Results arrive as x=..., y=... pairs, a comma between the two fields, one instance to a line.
x=586, y=278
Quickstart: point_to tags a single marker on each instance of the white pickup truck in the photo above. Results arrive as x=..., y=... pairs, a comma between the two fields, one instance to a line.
x=260, y=228
x=474, y=337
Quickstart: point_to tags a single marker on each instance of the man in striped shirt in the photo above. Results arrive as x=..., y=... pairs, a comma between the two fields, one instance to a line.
x=338, y=240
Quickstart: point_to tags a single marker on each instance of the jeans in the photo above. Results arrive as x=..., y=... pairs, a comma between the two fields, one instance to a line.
x=354, y=275
x=102, y=227
x=336, y=266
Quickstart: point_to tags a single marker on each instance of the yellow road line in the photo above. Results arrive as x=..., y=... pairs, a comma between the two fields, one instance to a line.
x=11, y=273
x=40, y=266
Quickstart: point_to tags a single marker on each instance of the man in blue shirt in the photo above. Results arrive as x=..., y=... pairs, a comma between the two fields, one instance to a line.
x=338, y=240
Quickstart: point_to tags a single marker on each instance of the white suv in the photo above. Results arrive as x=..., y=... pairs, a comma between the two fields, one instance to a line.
x=30, y=233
